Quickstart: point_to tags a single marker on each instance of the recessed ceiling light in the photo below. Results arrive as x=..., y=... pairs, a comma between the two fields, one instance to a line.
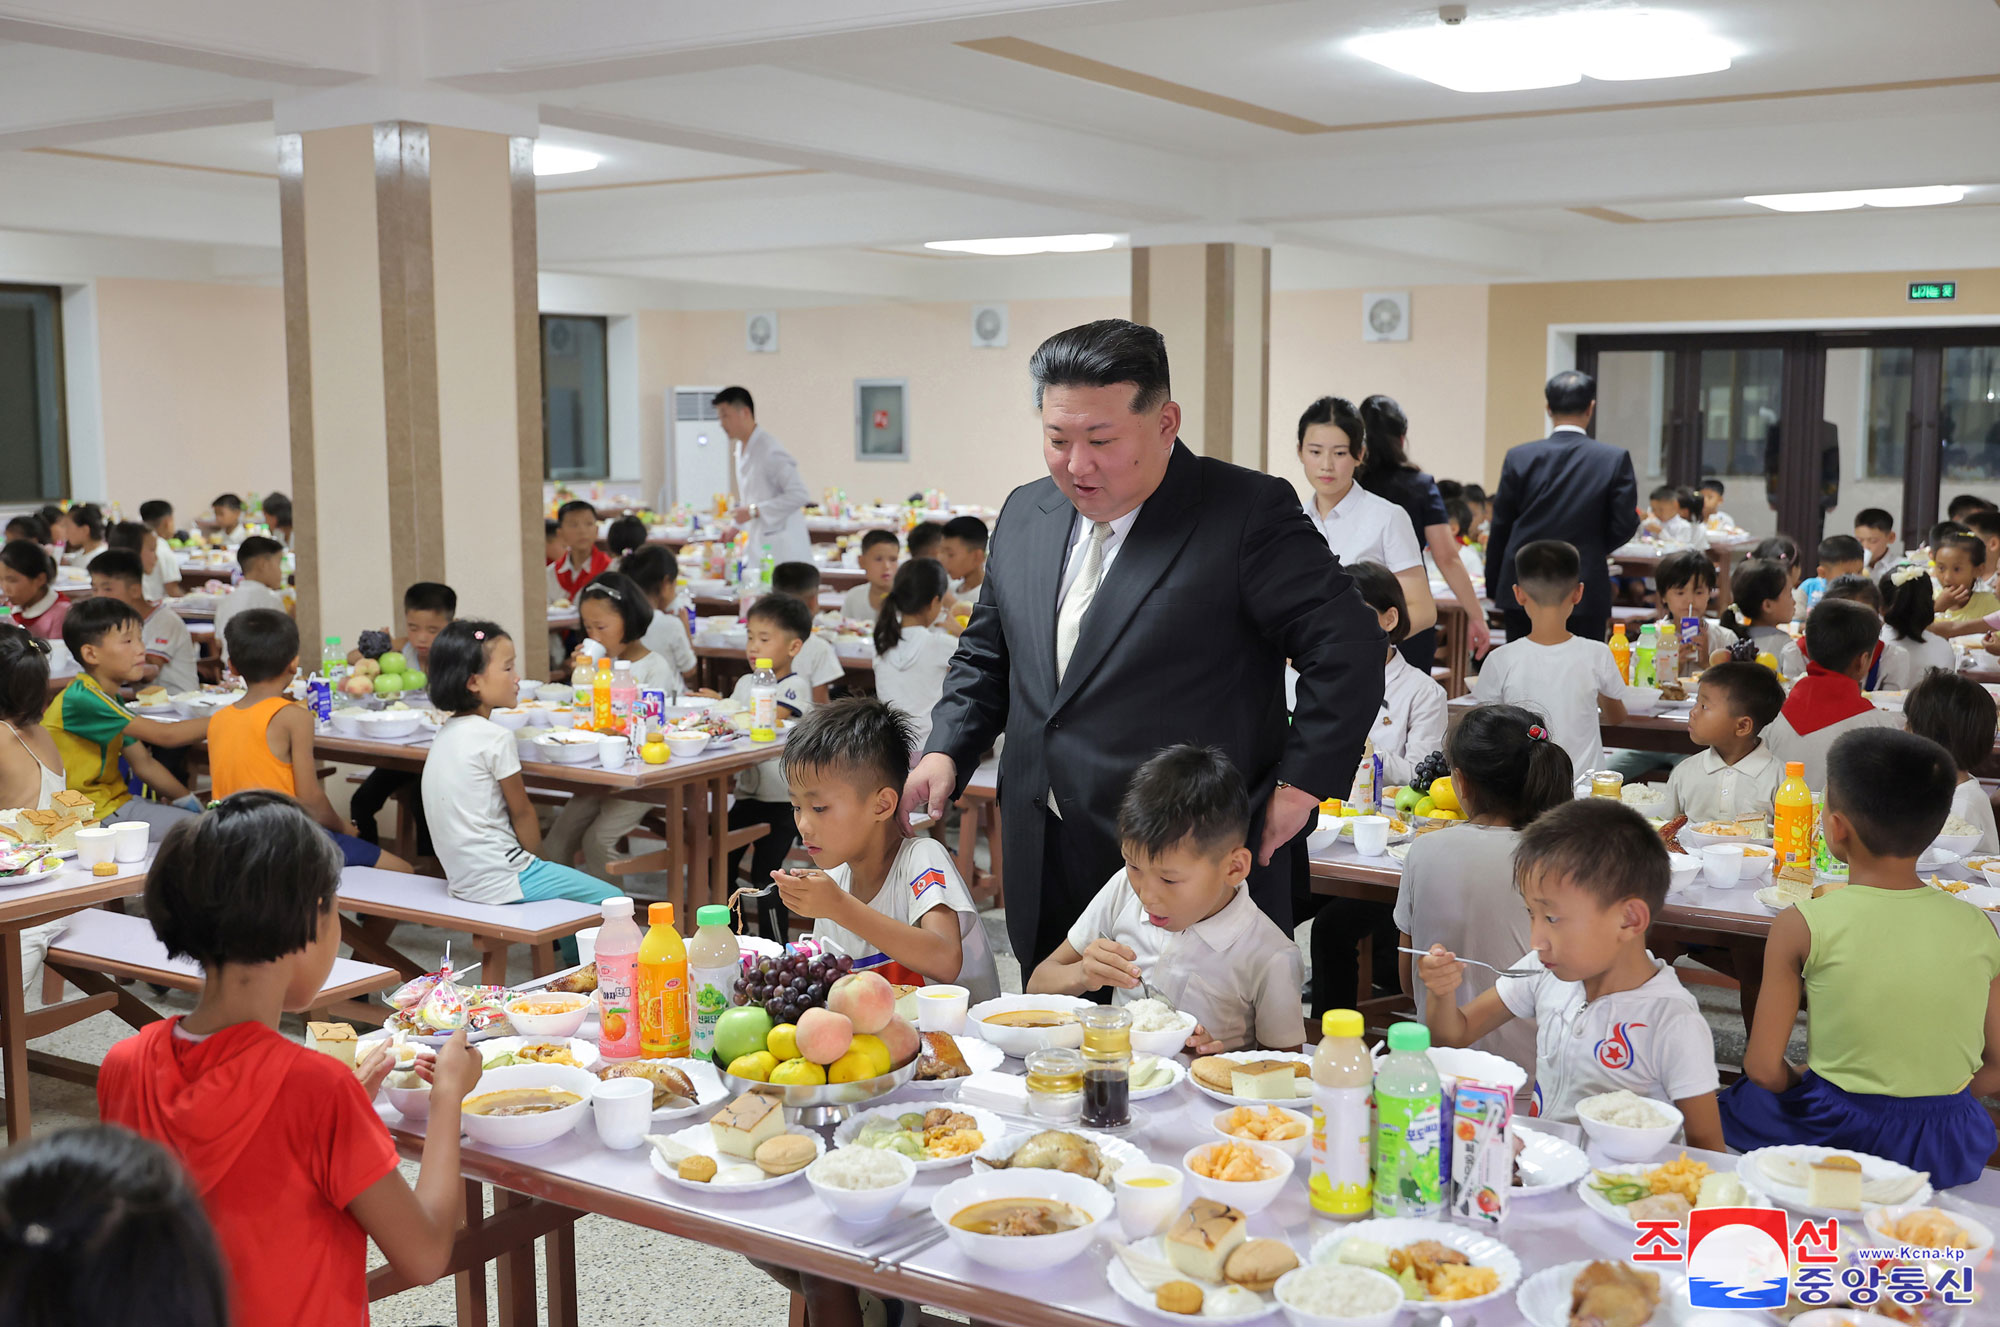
x=1513, y=55
x=553, y=160
x=1846, y=200
x=1014, y=248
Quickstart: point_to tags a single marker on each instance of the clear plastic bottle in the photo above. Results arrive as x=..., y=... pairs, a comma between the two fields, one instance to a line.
x=715, y=961
x=1409, y=1103
x=1642, y=657
x=333, y=661
x=764, y=703
x=663, y=988
x=600, y=697
x=582, y=681
x=1666, y=651
x=624, y=697
x=765, y=568
x=1342, y=1075
x=1621, y=652
x=618, y=943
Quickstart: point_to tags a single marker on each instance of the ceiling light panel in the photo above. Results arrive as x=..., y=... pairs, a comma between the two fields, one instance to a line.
x=1514, y=55
x=553, y=160
x=1018, y=247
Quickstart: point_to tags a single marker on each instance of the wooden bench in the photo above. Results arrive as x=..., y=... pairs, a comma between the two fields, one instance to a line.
x=380, y=899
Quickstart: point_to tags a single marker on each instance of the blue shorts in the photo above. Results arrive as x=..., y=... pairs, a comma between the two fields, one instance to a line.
x=353, y=851
x=1950, y=1137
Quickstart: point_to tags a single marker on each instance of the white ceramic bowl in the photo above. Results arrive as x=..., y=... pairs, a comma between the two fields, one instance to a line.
x=1289, y=1284
x=863, y=1207
x=413, y=1102
x=1758, y=860
x=513, y=718
x=549, y=1027
x=391, y=723
x=1992, y=873
x=687, y=746
x=1622, y=1143
x=1686, y=868
x=1957, y=844
x=567, y=753
x=1027, y=1252
x=350, y=722
x=1878, y=1220
x=529, y=1130
x=1165, y=1044
x=1291, y=1147
x=1246, y=1196
x=1642, y=700
x=1020, y=1042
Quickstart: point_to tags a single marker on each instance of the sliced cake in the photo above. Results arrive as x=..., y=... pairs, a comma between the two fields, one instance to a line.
x=1203, y=1237
x=1835, y=1181
x=746, y=1123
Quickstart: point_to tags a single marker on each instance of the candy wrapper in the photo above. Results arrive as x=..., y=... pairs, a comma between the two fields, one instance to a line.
x=435, y=1006
x=1482, y=1161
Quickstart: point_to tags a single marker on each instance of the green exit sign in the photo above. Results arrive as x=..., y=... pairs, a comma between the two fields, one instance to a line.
x=1934, y=290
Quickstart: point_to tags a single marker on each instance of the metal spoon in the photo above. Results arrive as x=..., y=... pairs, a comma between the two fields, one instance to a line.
x=1505, y=972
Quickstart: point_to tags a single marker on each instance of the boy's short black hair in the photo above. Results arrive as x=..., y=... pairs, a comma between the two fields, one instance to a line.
x=1964, y=503
x=635, y=610
x=549, y=527
x=859, y=738
x=262, y=643
x=1856, y=587
x=1965, y=542
x=653, y=567
x=789, y=615
x=1381, y=591
x=1956, y=713
x=624, y=534
x=1894, y=787
x=256, y=548
x=228, y=500
x=1839, y=631
x=1664, y=493
x=91, y=620
x=1685, y=568
x=1185, y=794
x=1838, y=548
x=25, y=557
x=1547, y=570
x=457, y=656
x=1985, y=522
x=431, y=597
x=968, y=530
x=24, y=675
x=1450, y=490
x=574, y=505
x=1597, y=845
x=1874, y=518
x=88, y=515
x=798, y=579
x=248, y=881
x=1747, y=689
x=1715, y=486
x=128, y=535
x=154, y=509
x=877, y=537
x=924, y=538
x=119, y=564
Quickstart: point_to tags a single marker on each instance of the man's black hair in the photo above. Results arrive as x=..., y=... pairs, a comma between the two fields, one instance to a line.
x=1715, y=486
x=574, y=505
x=924, y=538
x=1569, y=394
x=734, y=396
x=874, y=538
x=1874, y=518
x=228, y=500
x=1107, y=353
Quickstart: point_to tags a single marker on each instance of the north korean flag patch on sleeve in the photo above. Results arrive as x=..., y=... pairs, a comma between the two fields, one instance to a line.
x=929, y=880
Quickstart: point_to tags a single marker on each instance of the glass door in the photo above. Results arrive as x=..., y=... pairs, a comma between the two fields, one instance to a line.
x=1741, y=396
x=1969, y=424
x=1870, y=391
x=1634, y=390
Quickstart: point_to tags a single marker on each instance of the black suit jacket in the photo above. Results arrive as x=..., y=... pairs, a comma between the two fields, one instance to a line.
x=1220, y=580
x=1571, y=487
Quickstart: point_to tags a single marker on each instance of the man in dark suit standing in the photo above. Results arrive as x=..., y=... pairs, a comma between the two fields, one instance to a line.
x=1138, y=597
x=1570, y=487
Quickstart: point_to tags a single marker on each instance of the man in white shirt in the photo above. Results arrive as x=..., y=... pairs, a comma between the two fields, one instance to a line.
x=771, y=497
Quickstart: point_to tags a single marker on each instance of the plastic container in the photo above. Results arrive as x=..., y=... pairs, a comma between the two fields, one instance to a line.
x=1342, y=1076
x=1107, y=1067
x=1367, y=778
x=1793, y=823
x=333, y=661
x=715, y=961
x=1621, y=653
x=1409, y=1127
x=1642, y=657
x=1666, y=652
x=600, y=697
x=617, y=958
x=1694, y=646
x=581, y=679
x=764, y=703
x=663, y=987
x=624, y=698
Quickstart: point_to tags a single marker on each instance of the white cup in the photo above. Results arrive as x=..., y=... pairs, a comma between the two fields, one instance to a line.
x=1371, y=835
x=623, y=1108
x=942, y=1009
x=586, y=944
x=613, y=751
x=96, y=845
x=1722, y=863
x=130, y=845
x=592, y=650
x=1145, y=1210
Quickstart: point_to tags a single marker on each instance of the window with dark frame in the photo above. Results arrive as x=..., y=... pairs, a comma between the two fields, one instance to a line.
x=575, y=398
x=34, y=436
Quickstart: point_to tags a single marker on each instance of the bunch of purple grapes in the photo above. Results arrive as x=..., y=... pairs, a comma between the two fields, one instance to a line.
x=789, y=986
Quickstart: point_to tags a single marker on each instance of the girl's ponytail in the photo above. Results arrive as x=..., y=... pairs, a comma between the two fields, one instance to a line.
x=1752, y=585
x=1907, y=602
x=919, y=583
x=1551, y=779
x=1512, y=767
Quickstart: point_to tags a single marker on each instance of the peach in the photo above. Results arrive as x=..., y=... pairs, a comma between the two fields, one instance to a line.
x=824, y=1035
x=868, y=1001
x=901, y=1039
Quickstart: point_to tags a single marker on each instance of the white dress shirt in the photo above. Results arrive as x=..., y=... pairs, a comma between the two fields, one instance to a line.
x=1705, y=787
x=1365, y=528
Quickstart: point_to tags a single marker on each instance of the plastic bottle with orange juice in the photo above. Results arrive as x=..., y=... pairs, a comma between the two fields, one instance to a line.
x=663, y=988
x=1621, y=652
x=1793, y=823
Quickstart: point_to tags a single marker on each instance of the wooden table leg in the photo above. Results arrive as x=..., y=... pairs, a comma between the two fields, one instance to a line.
x=559, y=1266
x=517, y=1272
x=14, y=1031
x=470, y=1284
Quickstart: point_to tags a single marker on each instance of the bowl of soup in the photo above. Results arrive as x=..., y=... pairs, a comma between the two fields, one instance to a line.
x=1023, y=1024
x=1022, y=1220
x=526, y=1105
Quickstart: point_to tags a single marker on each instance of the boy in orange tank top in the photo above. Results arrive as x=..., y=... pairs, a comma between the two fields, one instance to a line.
x=265, y=740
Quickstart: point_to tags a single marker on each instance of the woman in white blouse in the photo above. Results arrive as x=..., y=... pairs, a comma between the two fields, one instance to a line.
x=1357, y=525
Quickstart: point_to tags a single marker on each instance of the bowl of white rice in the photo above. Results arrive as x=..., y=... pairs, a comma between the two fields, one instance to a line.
x=861, y=1185
x=1958, y=837
x=1625, y=1126
x=1322, y=1294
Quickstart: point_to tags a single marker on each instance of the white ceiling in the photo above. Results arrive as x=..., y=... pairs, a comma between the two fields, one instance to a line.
x=793, y=151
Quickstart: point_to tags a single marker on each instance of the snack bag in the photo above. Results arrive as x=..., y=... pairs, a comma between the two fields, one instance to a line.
x=1482, y=1166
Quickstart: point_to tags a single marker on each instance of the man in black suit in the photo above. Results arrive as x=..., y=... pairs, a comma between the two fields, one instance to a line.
x=1570, y=487
x=1138, y=597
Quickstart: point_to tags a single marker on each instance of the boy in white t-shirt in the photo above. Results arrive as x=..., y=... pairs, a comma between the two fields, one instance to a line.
x=1608, y=1015
x=776, y=627
x=1570, y=681
x=894, y=905
x=817, y=659
x=1178, y=916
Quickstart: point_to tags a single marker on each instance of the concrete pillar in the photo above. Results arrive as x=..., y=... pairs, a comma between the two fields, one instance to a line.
x=1212, y=302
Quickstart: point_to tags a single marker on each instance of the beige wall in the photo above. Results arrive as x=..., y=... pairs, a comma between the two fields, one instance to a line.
x=193, y=383
x=1438, y=375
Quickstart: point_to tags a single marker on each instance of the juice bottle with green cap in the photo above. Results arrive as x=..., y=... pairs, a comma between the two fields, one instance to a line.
x=1409, y=1127
x=1342, y=1075
x=715, y=961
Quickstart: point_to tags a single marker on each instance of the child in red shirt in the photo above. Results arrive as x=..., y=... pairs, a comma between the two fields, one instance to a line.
x=582, y=561
x=291, y=1162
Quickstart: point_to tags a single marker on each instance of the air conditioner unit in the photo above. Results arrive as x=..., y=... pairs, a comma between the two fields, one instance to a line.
x=701, y=461
x=989, y=325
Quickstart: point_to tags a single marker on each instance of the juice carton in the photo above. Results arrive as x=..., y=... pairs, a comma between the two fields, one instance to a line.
x=1482, y=1160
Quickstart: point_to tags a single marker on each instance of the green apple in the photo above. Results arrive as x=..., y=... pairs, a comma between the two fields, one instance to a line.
x=392, y=662
x=388, y=684
x=413, y=680
x=1406, y=800
x=741, y=1031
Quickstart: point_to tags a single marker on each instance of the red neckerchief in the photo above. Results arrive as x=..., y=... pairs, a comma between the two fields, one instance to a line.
x=1823, y=698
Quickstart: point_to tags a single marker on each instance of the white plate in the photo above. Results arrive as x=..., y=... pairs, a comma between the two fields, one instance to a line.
x=1114, y=1149
x=1693, y=839
x=1984, y=897
x=698, y=1138
x=991, y=1126
x=585, y=1052
x=1304, y=1087
x=1563, y=1164
x=708, y=1089
x=1394, y=1232
x=1126, y=1287
x=1621, y=1216
x=1936, y=859
x=41, y=870
x=980, y=1057
x=1770, y=898
x=1544, y=1298
x=1180, y=1076
x=1342, y=827
x=1793, y=1197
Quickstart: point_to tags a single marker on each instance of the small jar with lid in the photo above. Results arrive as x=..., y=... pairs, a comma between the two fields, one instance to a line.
x=1055, y=1084
x=1107, y=1066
